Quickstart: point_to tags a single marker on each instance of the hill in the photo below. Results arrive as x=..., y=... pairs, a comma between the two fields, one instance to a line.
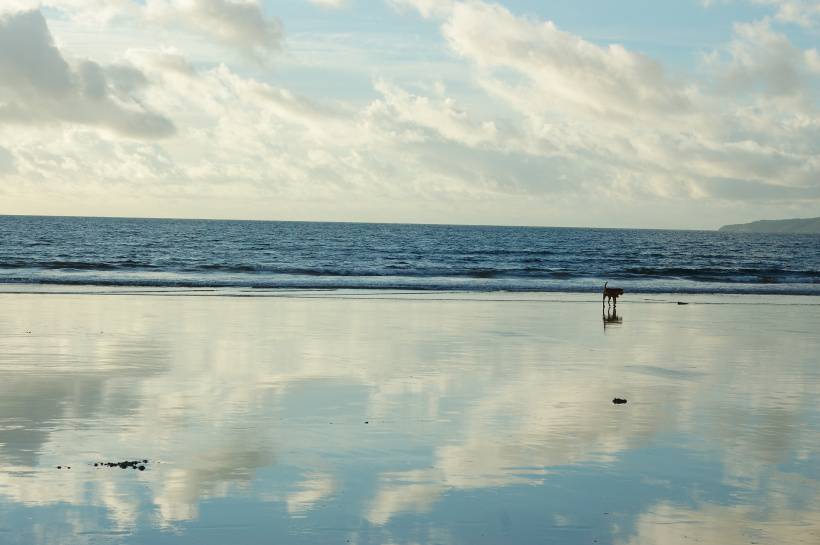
x=804, y=226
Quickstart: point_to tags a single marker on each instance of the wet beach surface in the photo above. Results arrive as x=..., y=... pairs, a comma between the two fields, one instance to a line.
x=378, y=417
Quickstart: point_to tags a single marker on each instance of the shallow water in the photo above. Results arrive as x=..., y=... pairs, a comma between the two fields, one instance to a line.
x=383, y=418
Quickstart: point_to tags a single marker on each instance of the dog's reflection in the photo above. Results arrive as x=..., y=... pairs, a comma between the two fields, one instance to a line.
x=610, y=316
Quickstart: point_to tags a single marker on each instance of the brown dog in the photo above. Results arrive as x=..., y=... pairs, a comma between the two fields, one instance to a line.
x=612, y=294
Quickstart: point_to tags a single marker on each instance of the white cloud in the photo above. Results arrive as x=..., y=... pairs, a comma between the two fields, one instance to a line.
x=438, y=114
x=812, y=58
x=7, y=162
x=236, y=23
x=761, y=59
x=802, y=12
x=37, y=85
x=427, y=8
x=335, y=4
x=534, y=124
x=805, y=13
x=568, y=72
x=619, y=108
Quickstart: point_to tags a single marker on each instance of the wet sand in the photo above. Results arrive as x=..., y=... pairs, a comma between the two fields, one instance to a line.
x=376, y=417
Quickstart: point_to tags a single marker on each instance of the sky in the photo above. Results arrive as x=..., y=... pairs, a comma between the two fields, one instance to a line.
x=683, y=114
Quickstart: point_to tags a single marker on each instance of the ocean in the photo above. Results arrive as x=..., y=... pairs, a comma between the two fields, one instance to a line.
x=444, y=410
x=306, y=255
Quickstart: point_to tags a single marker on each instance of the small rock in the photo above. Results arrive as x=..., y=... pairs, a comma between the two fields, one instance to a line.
x=59, y=467
x=619, y=401
x=682, y=303
x=125, y=464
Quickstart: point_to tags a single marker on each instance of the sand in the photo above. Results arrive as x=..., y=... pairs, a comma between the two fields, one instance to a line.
x=377, y=417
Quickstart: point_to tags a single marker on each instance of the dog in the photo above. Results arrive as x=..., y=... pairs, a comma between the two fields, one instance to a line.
x=612, y=294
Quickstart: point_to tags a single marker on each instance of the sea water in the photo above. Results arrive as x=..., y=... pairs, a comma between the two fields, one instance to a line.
x=256, y=254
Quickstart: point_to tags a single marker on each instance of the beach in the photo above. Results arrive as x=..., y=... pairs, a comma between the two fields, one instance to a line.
x=378, y=416
x=409, y=272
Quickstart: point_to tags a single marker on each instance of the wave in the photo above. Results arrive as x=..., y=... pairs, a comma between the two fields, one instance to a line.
x=462, y=284
x=76, y=265
x=767, y=275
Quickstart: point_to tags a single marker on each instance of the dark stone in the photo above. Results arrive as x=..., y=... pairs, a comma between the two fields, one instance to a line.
x=125, y=464
x=682, y=303
x=59, y=467
x=619, y=401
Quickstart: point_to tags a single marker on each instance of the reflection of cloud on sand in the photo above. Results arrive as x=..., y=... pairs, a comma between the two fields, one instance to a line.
x=516, y=431
x=534, y=418
x=207, y=474
x=709, y=523
x=310, y=492
x=460, y=395
x=409, y=491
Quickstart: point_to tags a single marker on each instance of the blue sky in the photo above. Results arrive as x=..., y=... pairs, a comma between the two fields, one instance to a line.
x=679, y=114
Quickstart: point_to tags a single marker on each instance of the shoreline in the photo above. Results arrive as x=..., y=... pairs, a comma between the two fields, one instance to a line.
x=433, y=285
x=630, y=298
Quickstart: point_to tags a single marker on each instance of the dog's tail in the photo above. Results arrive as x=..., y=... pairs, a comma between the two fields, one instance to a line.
x=605, y=283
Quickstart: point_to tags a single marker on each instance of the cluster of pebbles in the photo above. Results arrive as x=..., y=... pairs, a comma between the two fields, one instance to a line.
x=133, y=464
x=125, y=464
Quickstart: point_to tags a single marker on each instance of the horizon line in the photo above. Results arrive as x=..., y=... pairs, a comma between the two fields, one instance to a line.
x=512, y=226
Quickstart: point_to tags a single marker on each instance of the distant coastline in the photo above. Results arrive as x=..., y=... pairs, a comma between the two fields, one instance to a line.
x=809, y=226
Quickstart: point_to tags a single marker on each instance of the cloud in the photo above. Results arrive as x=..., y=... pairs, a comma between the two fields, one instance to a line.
x=427, y=8
x=652, y=133
x=761, y=59
x=438, y=114
x=535, y=124
x=38, y=86
x=7, y=162
x=236, y=23
x=335, y=4
x=805, y=13
x=568, y=72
